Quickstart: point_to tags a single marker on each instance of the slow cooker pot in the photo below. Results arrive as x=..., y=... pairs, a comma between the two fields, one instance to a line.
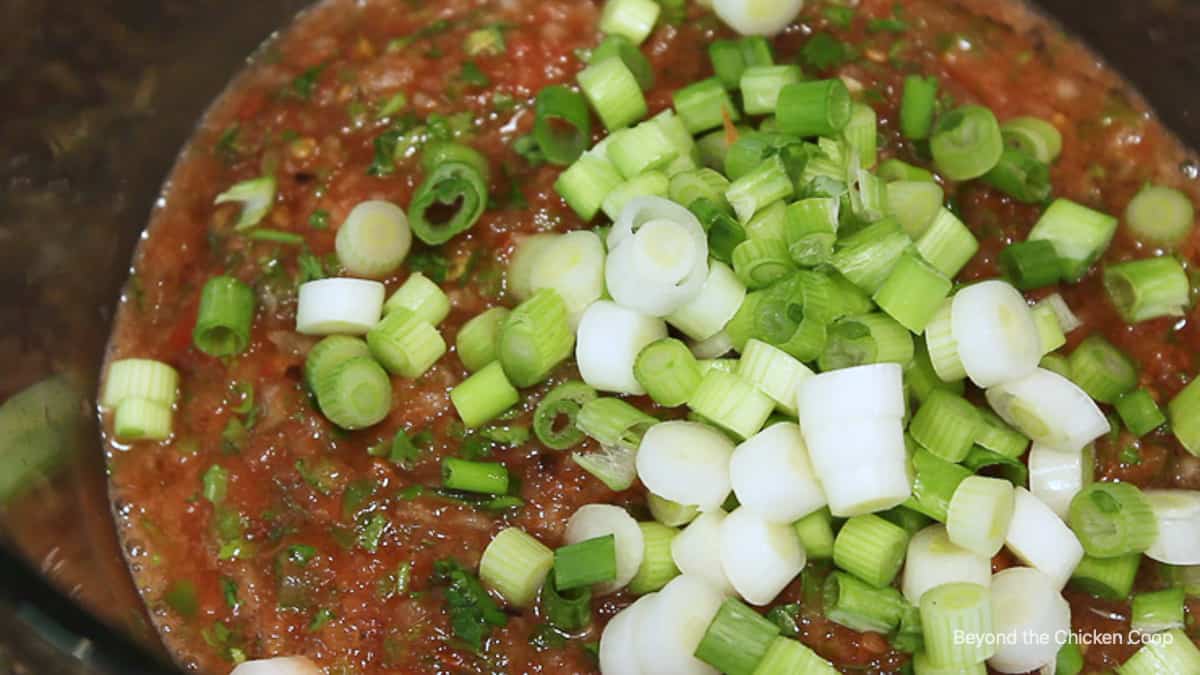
x=98, y=98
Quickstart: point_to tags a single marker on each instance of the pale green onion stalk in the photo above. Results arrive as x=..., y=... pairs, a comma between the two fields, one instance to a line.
x=609, y=339
x=760, y=557
x=339, y=306
x=374, y=240
x=772, y=475
x=573, y=265
x=256, y=196
x=697, y=551
x=1040, y=539
x=658, y=257
x=598, y=520
x=757, y=17
x=1049, y=409
x=686, y=462
x=1031, y=618
x=998, y=340
x=1056, y=476
x=933, y=560
x=1178, y=516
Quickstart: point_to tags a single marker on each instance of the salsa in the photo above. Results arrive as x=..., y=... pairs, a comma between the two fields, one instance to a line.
x=260, y=529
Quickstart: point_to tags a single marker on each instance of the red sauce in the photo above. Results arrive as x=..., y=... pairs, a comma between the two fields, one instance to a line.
x=318, y=133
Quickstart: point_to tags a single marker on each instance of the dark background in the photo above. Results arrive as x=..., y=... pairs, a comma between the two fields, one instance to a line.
x=96, y=98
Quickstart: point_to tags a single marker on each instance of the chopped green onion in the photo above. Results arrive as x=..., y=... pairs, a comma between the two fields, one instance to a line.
x=1112, y=519
x=1020, y=176
x=1009, y=468
x=957, y=618
x=815, y=532
x=1160, y=216
x=476, y=340
x=489, y=478
x=1173, y=652
x=1050, y=333
x=913, y=293
x=921, y=379
x=893, y=170
x=224, y=318
x=374, y=240
x=980, y=513
x=633, y=19
x=948, y=244
x=859, y=606
x=946, y=425
x=815, y=108
x=1147, y=289
x=1186, y=577
x=452, y=185
x=997, y=436
x=562, y=125
x=1157, y=611
x=422, y=297
x=705, y=105
x=871, y=549
x=623, y=48
x=810, y=230
x=761, y=262
x=1078, y=233
x=923, y=665
x=870, y=338
x=535, y=338
x=139, y=419
x=731, y=402
x=909, y=637
x=966, y=142
x=934, y=483
x=141, y=379
x=484, y=396
x=1139, y=412
x=1030, y=265
x=737, y=639
x=915, y=203
x=1108, y=578
x=515, y=565
x=355, y=393
x=568, y=611
x=1102, y=370
x=1035, y=137
x=761, y=85
x=774, y=372
x=917, y=105
x=592, y=561
x=614, y=93
x=639, y=149
x=1184, y=414
x=256, y=196
x=706, y=184
x=329, y=353
x=613, y=422
x=658, y=567
x=862, y=134
x=612, y=465
x=728, y=62
x=215, y=482
x=669, y=513
x=760, y=188
x=405, y=344
x=586, y=183
x=867, y=257
x=789, y=657
x=667, y=370
x=649, y=184
x=565, y=401
x=724, y=231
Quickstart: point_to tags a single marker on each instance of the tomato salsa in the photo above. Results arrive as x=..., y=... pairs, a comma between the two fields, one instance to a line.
x=259, y=528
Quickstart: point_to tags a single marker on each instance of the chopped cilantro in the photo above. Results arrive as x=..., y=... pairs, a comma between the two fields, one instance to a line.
x=319, y=219
x=355, y=495
x=229, y=589
x=404, y=452
x=485, y=42
x=216, y=483
x=430, y=263
x=309, y=268
x=181, y=597
x=840, y=16
x=473, y=613
x=825, y=52
x=320, y=477
x=384, y=162
x=322, y=617
x=472, y=75
x=227, y=145
x=276, y=236
x=392, y=105
x=890, y=25
x=300, y=554
x=510, y=435
x=370, y=531
x=503, y=101
x=233, y=436
x=786, y=616
x=528, y=149
x=1131, y=455
x=303, y=85
x=546, y=637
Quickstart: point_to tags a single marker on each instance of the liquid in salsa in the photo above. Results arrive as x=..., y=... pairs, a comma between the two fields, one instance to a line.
x=324, y=548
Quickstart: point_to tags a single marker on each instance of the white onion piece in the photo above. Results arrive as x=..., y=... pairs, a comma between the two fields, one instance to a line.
x=757, y=17
x=1055, y=476
x=861, y=463
x=617, y=656
x=573, y=265
x=696, y=551
x=686, y=462
x=1030, y=617
x=876, y=390
x=719, y=299
x=998, y=340
x=609, y=339
x=713, y=348
x=1050, y=409
x=339, y=306
x=760, y=557
x=524, y=261
x=280, y=665
x=1178, y=515
x=599, y=520
x=1041, y=539
x=933, y=560
x=672, y=625
x=1066, y=318
x=658, y=256
x=772, y=476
